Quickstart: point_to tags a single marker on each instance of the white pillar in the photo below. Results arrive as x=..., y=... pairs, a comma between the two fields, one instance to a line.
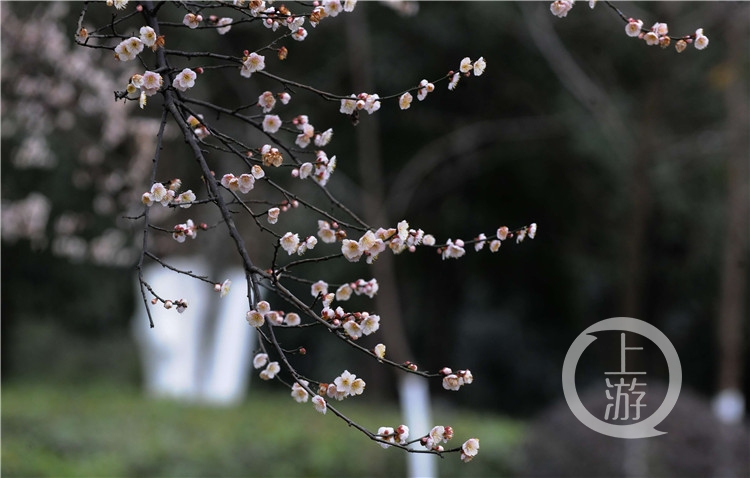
x=414, y=395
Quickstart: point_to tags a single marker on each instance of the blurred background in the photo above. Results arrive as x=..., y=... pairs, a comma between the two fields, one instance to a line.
x=632, y=160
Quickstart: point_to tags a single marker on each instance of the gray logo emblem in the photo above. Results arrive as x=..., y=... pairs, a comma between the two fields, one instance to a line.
x=645, y=428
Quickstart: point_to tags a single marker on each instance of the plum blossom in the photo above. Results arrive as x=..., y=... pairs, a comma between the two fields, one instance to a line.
x=309, y=243
x=469, y=449
x=495, y=245
x=479, y=66
x=319, y=403
x=273, y=215
x=257, y=171
x=466, y=65
x=299, y=393
x=271, y=123
x=502, y=233
x=560, y=8
x=325, y=232
x=660, y=29
x=701, y=40
x=532, y=230
x=453, y=250
x=252, y=63
x=270, y=371
x=353, y=329
x=263, y=307
x=348, y=105
x=379, y=351
x=192, y=20
x=370, y=324
x=260, y=360
x=300, y=34
x=520, y=236
x=185, y=199
x=224, y=25
x=651, y=38
x=266, y=101
x=387, y=434
x=246, y=182
x=255, y=318
x=128, y=49
x=404, y=102
x=332, y=7
x=454, y=81
x=633, y=28
x=323, y=138
x=224, y=288
x=147, y=36
x=184, y=80
x=450, y=382
x=351, y=250
x=151, y=83
x=319, y=288
x=372, y=103
x=344, y=382
x=292, y=319
x=481, y=240
x=182, y=231
x=289, y=242
x=344, y=292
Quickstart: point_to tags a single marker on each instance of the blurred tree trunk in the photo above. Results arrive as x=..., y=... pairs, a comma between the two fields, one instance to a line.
x=734, y=269
x=387, y=300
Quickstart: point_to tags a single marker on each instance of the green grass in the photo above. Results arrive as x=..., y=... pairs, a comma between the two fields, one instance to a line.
x=105, y=429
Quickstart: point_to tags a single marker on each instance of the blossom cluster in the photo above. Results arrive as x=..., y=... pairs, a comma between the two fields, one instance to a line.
x=243, y=183
x=273, y=17
x=439, y=434
x=149, y=83
x=223, y=288
x=466, y=68
x=455, y=380
x=199, y=129
x=320, y=171
x=166, y=196
x=362, y=101
x=271, y=368
x=271, y=156
x=267, y=100
x=454, y=250
x=355, y=325
x=129, y=48
x=657, y=35
x=402, y=238
x=308, y=134
x=262, y=312
x=398, y=435
x=371, y=244
x=185, y=230
x=291, y=243
x=345, y=385
x=358, y=287
x=179, y=304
